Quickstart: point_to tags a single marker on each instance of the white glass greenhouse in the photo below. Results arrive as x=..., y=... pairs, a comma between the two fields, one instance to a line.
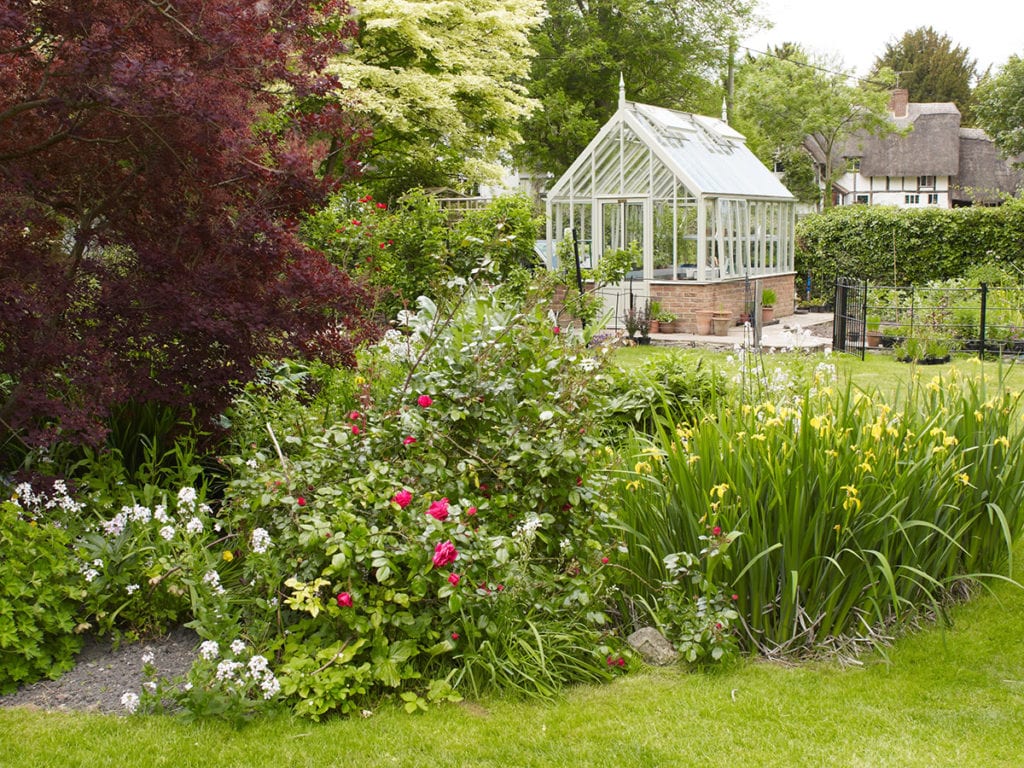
x=683, y=190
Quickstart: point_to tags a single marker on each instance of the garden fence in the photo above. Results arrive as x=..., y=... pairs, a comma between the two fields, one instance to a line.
x=928, y=323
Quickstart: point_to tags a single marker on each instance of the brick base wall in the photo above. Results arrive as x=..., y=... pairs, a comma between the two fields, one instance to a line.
x=685, y=299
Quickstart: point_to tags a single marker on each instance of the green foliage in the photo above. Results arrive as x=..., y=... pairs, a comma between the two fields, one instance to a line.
x=443, y=105
x=499, y=240
x=931, y=68
x=855, y=514
x=890, y=246
x=782, y=102
x=40, y=589
x=400, y=250
x=584, y=47
x=999, y=107
x=665, y=389
x=451, y=490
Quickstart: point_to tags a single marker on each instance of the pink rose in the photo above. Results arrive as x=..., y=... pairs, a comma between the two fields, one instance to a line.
x=344, y=600
x=409, y=441
x=354, y=416
x=604, y=561
x=301, y=501
x=402, y=498
x=454, y=579
x=355, y=430
x=424, y=401
x=717, y=530
x=444, y=554
x=556, y=330
x=471, y=511
x=439, y=510
x=455, y=635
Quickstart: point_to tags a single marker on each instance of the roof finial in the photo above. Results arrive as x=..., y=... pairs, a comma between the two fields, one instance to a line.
x=622, y=92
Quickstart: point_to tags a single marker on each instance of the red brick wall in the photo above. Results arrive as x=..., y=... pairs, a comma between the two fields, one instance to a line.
x=683, y=299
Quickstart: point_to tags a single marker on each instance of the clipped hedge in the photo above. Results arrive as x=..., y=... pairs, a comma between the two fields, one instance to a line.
x=906, y=246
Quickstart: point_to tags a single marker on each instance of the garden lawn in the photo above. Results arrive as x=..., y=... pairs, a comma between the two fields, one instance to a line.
x=951, y=697
x=877, y=371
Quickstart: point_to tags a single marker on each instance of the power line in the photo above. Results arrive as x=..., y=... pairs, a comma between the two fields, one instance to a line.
x=826, y=70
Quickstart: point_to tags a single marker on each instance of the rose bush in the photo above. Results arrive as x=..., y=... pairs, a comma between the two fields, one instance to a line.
x=464, y=504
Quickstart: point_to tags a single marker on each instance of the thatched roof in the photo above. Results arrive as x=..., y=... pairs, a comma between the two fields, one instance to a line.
x=985, y=175
x=930, y=148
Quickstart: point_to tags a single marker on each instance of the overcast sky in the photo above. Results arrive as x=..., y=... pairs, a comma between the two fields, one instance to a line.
x=858, y=31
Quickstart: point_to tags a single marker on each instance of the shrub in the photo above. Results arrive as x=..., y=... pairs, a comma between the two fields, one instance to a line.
x=450, y=501
x=40, y=588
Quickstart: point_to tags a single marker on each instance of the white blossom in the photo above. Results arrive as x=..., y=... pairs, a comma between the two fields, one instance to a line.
x=130, y=701
x=187, y=498
x=237, y=647
x=260, y=541
x=209, y=650
x=167, y=532
x=147, y=657
x=194, y=525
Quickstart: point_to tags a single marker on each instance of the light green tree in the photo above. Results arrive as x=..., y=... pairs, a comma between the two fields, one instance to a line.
x=442, y=83
x=786, y=100
x=669, y=52
x=999, y=107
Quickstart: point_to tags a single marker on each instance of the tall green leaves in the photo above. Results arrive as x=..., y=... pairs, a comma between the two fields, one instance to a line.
x=853, y=514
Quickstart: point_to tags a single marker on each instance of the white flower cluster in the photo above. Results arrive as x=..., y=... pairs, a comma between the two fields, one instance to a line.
x=90, y=571
x=209, y=650
x=234, y=673
x=130, y=701
x=398, y=347
x=260, y=541
x=528, y=527
x=212, y=579
x=28, y=499
x=194, y=525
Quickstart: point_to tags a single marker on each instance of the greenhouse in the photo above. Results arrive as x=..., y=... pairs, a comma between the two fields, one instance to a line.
x=706, y=219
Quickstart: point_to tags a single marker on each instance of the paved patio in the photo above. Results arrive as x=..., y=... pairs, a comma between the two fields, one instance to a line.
x=792, y=332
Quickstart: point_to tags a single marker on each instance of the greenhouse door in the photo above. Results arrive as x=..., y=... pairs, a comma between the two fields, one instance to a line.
x=622, y=224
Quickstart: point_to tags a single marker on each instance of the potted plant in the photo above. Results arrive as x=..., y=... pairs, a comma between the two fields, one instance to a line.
x=631, y=319
x=704, y=318
x=666, y=319
x=873, y=324
x=655, y=310
x=644, y=323
x=768, y=298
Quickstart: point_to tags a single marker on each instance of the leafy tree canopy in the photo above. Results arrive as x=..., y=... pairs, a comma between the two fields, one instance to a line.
x=999, y=106
x=154, y=160
x=932, y=68
x=442, y=84
x=786, y=100
x=669, y=54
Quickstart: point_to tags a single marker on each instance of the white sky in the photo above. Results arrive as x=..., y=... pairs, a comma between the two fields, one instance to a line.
x=858, y=31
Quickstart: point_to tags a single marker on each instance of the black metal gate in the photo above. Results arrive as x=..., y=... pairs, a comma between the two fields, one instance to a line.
x=848, y=329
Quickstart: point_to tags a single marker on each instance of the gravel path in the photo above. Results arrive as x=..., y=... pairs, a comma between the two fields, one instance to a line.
x=103, y=674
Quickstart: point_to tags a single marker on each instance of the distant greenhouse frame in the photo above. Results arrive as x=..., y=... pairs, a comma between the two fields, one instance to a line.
x=700, y=208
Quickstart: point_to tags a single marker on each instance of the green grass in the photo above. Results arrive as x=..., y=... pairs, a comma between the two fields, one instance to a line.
x=943, y=697
x=878, y=370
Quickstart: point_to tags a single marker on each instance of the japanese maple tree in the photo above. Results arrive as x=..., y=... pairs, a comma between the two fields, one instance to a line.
x=155, y=157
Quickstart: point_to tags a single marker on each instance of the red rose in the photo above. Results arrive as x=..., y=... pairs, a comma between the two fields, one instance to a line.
x=471, y=511
x=355, y=430
x=556, y=330
x=354, y=416
x=344, y=600
x=424, y=401
x=439, y=510
x=717, y=530
x=402, y=498
x=301, y=501
x=455, y=635
x=604, y=561
x=445, y=554
x=409, y=441
x=454, y=579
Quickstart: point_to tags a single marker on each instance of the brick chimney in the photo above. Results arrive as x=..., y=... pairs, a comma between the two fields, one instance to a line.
x=898, y=100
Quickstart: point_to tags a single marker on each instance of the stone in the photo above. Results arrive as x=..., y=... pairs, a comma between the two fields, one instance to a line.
x=653, y=646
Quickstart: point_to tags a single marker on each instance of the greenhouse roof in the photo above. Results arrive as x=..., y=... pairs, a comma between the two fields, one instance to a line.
x=710, y=157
